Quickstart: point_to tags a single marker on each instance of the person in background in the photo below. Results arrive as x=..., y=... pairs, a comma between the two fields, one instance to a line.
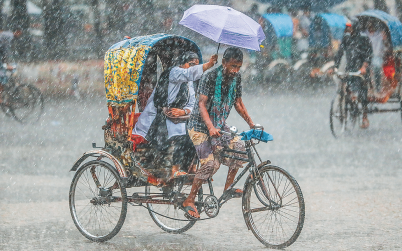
x=358, y=50
x=296, y=31
x=305, y=21
x=378, y=41
x=253, y=12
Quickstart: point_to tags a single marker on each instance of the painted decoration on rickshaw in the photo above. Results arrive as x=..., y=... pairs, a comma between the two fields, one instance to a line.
x=122, y=71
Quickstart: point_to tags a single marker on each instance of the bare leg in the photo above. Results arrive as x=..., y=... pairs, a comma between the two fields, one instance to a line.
x=365, y=122
x=231, y=176
x=197, y=183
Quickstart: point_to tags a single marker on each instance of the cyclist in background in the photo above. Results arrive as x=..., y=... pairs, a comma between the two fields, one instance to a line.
x=5, y=51
x=358, y=50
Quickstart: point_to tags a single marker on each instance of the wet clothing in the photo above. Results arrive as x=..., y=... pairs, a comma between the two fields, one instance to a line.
x=304, y=23
x=379, y=48
x=221, y=98
x=207, y=87
x=358, y=50
x=177, y=77
x=209, y=152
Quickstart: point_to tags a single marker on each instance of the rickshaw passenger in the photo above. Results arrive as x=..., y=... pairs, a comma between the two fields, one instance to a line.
x=358, y=50
x=379, y=43
x=174, y=96
x=219, y=90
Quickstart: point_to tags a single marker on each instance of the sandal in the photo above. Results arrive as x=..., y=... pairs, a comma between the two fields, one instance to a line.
x=187, y=209
x=232, y=193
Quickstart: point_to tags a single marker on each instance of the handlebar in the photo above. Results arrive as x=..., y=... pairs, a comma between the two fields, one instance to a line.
x=352, y=74
x=233, y=130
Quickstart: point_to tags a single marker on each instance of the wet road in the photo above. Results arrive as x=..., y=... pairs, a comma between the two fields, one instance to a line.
x=351, y=186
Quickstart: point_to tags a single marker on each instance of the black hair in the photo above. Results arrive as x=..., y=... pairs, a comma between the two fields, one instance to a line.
x=233, y=53
x=187, y=57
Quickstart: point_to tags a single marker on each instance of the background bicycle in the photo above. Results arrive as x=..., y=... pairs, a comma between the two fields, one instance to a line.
x=23, y=102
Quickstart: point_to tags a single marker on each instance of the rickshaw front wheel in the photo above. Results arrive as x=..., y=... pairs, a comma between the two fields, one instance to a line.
x=273, y=207
x=98, y=201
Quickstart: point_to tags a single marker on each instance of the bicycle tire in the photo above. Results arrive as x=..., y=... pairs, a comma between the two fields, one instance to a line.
x=90, y=231
x=27, y=104
x=282, y=181
x=337, y=114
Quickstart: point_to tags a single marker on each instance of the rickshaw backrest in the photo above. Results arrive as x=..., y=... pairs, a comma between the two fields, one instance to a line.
x=131, y=74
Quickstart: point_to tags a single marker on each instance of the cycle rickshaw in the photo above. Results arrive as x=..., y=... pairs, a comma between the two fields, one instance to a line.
x=346, y=113
x=326, y=32
x=100, y=190
x=273, y=62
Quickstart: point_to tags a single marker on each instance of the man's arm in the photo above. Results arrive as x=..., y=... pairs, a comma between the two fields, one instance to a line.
x=242, y=111
x=339, y=54
x=202, y=103
x=368, y=49
x=180, y=75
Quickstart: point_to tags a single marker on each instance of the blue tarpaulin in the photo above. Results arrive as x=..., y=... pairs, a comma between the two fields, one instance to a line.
x=326, y=26
x=281, y=23
x=315, y=5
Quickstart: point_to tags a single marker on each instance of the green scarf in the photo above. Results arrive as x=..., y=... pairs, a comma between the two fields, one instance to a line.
x=221, y=107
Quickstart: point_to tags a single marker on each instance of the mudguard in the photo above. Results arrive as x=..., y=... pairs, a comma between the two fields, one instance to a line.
x=326, y=66
x=101, y=154
x=299, y=64
x=276, y=62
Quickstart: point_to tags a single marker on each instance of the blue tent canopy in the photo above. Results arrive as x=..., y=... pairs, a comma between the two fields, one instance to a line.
x=326, y=26
x=281, y=23
x=315, y=5
x=393, y=24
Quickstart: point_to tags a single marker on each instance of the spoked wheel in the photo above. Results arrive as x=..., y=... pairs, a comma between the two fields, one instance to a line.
x=171, y=218
x=344, y=115
x=273, y=207
x=26, y=104
x=98, y=201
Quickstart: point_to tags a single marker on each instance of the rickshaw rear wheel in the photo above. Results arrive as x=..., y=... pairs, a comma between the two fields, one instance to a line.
x=177, y=222
x=98, y=201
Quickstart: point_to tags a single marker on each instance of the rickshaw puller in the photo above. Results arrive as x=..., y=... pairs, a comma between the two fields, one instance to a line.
x=218, y=91
x=358, y=50
x=174, y=91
